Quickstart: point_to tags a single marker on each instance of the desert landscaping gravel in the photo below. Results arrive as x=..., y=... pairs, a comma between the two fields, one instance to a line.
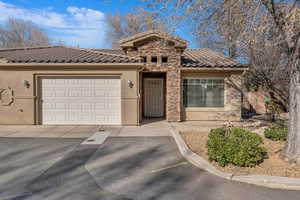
x=273, y=165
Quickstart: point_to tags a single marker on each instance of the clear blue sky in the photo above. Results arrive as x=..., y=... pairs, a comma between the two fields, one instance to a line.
x=77, y=22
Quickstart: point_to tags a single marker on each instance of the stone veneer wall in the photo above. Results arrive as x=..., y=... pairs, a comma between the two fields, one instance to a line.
x=234, y=95
x=159, y=48
x=174, y=110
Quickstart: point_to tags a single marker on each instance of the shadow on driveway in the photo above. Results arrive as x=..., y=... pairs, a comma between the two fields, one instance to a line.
x=123, y=168
x=151, y=168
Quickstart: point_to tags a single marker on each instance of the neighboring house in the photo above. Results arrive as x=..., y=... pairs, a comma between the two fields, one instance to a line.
x=152, y=75
x=254, y=102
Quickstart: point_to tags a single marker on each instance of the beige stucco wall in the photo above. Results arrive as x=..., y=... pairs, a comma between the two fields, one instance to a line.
x=24, y=108
x=232, y=107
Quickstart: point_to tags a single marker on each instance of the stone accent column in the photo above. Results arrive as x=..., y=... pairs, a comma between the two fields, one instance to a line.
x=234, y=97
x=173, y=110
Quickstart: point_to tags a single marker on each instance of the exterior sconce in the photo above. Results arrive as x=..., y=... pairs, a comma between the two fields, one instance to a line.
x=130, y=84
x=26, y=84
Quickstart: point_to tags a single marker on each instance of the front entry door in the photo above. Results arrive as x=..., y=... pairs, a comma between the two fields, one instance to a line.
x=153, y=97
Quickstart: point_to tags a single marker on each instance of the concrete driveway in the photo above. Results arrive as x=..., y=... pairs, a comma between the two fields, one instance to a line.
x=23, y=160
x=123, y=168
x=48, y=131
x=140, y=168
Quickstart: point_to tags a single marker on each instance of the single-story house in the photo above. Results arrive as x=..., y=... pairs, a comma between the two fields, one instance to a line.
x=152, y=75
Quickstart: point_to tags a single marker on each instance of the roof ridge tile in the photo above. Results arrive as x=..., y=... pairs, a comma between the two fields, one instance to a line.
x=110, y=54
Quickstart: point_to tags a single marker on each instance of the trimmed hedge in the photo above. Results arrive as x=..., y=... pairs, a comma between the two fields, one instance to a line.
x=235, y=146
x=276, y=133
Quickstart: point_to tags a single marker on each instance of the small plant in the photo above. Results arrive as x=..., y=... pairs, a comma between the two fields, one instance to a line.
x=235, y=146
x=276, y=133
x=272, y=108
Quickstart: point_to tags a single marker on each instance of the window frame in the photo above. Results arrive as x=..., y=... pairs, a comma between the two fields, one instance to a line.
x=144, y=59
x=154, y=59
x=207, y=78
x=164, y=59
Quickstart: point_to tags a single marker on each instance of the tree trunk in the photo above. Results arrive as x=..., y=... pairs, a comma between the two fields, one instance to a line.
x=291, y=151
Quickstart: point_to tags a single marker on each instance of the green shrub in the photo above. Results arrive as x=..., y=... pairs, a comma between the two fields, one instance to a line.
x=235, y=146
x=276, y=133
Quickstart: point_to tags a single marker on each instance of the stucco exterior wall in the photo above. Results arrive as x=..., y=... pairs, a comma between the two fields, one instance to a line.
x=24, y=108
x=232, y=105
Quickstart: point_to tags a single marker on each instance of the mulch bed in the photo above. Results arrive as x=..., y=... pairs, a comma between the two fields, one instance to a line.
x=273, y=165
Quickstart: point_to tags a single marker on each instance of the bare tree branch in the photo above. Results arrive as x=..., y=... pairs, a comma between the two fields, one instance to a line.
x=125, y=25
x=20, y=33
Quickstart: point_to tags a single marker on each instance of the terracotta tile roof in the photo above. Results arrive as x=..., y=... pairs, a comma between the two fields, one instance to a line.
x=61, y=54
x=191, y=58
x=207, y=58
x=111, y=51
x=195, y=58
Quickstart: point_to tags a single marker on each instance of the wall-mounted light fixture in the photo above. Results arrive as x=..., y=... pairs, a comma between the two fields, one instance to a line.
x=26, y=84
x=130, y=84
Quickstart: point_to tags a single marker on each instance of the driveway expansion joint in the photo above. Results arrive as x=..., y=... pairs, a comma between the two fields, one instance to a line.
x=73, y=162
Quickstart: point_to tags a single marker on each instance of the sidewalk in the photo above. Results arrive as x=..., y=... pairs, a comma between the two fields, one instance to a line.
x=48, y=131
x=149, y=128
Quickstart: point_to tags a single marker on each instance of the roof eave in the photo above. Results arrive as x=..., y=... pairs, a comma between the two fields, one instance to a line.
x=126, y=43
x=218, y=69
x=76, y=65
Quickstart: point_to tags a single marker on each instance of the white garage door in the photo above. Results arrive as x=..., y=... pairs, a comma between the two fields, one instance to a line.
x=81, y=100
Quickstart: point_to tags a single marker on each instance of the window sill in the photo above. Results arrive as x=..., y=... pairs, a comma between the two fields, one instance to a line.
x=199, y=109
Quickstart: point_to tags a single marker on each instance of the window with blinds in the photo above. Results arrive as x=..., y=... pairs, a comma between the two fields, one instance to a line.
x=203, y=92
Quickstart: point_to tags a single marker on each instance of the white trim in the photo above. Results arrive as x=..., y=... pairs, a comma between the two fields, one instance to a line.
x=203, y=77
x=212, y=69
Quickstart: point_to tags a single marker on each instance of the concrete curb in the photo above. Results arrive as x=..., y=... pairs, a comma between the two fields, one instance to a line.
x=276, y=182
x=194, y=158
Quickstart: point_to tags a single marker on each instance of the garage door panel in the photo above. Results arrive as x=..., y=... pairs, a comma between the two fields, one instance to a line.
x=81, y=100
x=61, y=106
x=60, y=93
x=74, y=93
x=60, y=115
x=87, y=93
x=74, y=106
x=100, y=92
x=48, y=93
x=48, y=105
x=88, y=106
x=74, y=116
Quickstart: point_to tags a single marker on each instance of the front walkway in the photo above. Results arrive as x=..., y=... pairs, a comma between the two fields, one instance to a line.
x=47, y=131
x=148, y=128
